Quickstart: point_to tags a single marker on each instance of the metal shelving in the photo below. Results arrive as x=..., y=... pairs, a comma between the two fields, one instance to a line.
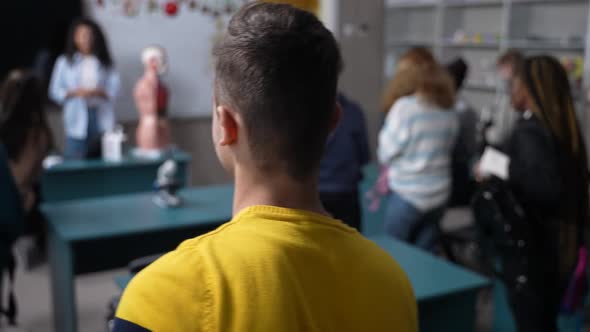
x=545, y=2
x=496, y=26
x=411, y=4
x=542, y=46
x=441, y=42
x=409, y=43
x=473, y=3
x=483, y=45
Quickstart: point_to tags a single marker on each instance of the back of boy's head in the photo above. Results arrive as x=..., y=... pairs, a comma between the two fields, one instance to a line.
x=278, y=67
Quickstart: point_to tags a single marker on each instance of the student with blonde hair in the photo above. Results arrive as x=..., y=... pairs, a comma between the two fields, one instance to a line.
x=404, y=80
x=415, y=146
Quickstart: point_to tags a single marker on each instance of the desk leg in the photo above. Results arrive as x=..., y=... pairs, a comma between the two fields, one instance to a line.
x=62, y=284
x=449, y=313
x=503, y=319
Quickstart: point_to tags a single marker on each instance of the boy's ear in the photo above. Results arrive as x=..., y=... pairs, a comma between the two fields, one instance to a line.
x=228, y=123
x=336, y=117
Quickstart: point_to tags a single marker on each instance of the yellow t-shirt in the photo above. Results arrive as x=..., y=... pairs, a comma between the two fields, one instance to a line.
x=272, y=269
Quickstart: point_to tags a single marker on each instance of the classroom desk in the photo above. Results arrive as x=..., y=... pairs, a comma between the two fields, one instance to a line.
x=98, y=234
x=446, y=293
x=75, y=179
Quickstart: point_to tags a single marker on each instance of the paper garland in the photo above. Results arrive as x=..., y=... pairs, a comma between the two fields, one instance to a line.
x=171, y=8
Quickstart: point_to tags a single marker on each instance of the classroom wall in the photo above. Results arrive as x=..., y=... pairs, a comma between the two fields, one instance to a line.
x=360, y=32
x=188, y=39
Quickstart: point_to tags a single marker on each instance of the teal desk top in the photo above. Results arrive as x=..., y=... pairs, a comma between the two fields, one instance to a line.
x=136, y=213
x=128, y=161
x=371, y=172
x=81, y=179
x=430, y=276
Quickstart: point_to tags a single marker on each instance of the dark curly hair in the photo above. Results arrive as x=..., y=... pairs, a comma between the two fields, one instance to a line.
x=100, y=47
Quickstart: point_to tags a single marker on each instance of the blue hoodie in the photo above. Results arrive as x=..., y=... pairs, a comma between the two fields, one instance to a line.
x=346, y=152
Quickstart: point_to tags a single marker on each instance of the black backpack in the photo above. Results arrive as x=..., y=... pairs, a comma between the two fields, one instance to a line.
x=504, y=232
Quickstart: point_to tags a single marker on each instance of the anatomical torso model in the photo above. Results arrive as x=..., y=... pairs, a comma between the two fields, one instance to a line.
x=151, y=99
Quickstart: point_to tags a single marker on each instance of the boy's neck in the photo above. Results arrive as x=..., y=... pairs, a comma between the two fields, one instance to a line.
x=275, y=190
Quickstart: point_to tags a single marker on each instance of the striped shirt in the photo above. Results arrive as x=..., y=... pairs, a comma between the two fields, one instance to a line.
x=416, y=144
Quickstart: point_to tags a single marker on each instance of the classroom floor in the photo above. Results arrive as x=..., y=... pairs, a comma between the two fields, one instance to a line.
x=94, y=292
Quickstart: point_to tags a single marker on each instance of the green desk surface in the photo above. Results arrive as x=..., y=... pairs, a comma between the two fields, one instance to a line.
x=430, y=276
x=80, y=179
x=136, y=213
x=370, y=172
x=122, y=281
x=129, y=161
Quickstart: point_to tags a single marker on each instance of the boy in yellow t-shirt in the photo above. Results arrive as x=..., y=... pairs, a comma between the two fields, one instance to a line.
x=281, y=263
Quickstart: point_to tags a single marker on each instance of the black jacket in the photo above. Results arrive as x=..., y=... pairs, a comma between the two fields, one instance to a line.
x=535, y=177
x=537, y=183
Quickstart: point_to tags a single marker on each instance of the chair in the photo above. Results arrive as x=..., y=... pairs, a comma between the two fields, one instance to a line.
x=134, y=267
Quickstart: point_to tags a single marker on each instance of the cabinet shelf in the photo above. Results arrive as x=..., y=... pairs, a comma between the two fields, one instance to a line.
x=547, y=46
x=411, y=4
x=479, y=30
x=482, y=45
x=547, y=2
x=473, y=3
x=409, y=43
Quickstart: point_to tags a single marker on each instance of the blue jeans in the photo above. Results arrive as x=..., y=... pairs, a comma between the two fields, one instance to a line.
x=77, y=148
x=405, y=222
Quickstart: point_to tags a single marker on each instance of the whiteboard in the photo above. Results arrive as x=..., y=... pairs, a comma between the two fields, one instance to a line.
x=187, y=37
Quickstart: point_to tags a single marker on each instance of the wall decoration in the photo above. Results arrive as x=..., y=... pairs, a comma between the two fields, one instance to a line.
x=171, y=8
